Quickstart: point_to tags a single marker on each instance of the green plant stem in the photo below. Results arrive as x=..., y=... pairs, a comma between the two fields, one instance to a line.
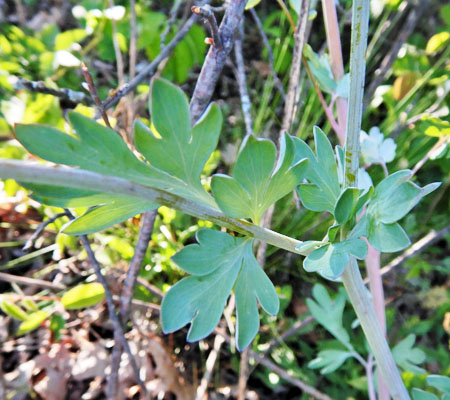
x=24, y=171
x=352, y=277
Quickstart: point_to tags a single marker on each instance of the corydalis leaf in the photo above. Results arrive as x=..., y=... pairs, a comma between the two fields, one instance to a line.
x=323, y=190
x=257, y=182
x=392, y=199
x=102, y=217
x=217, y=264
x=330, y=260
x=176, y=147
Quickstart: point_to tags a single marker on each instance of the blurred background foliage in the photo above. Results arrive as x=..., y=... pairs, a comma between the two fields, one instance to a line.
x=47, y=41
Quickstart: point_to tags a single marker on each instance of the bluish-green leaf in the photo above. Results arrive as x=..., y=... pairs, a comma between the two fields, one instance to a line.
x=103, y=217
x=440, y=382
x=231, y=197
x=407, y=356
x=65, y=197
x=330, y=260
x=419, y=394
x=387, y=238
x=257, y=182
x=219, y=262
x=96, y=148
x=346, y=205
x=314, y=198
x=322, y=171
x=328, y=313
x=252, y=284
x=180, y=150
x=329, y=360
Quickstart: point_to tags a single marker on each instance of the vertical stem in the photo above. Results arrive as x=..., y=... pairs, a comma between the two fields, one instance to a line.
x=337, y=64
x=352, y=277
x=294, y=90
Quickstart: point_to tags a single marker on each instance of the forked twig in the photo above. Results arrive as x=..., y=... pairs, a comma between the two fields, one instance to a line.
x=94, y=94
x=210, y=18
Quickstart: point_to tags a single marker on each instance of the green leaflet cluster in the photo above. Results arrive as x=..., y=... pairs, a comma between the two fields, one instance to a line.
x=175, y=154
x=217, y=264
x=257, y=180
x=390, y=201
x=328, y=312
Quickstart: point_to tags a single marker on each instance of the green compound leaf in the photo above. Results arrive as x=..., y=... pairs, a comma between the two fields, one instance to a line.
x=84, y=295
x=103, y=217
x=322, y=174
x=100, y=149
x=388, y=238
x=200, y=299
x=32, y=322
x=329, y=360
x=440, y=382
x=346, y=205
x=407, y=356
x=178, y=149
x=328, y=313
x=419, y=394
x=392, y=199
x=257, y=182
x=12, y=310
x=330, y=260
x=64, y=197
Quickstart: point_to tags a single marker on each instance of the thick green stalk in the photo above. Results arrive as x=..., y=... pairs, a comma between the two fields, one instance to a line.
x=352, y=277
x=23, y=171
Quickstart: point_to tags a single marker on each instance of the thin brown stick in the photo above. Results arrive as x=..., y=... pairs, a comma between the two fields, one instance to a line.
x=243, y=375
x=145, y=233
x=267, y=45
x=210, y=18
x=126, y=296
x=293, y=90
x=209, y=366
x=215, y=59
x=119, y=335
x=23, y=280
x=64, y=94
x=246, y=105
x=40, y=230
x=169, y=23
x=150, y=68
x=94, y=94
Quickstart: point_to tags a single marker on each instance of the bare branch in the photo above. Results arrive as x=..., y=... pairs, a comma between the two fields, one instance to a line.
x=265, y=40
x=242, y=81
x=40, y=229
x=150, y=68
x=215, y=59
x=210, y=18
x=169, y=23
x=62, y=93
x=23, y=280
x=145, y=233
x=94, y=94
x=119, y=335
x=293, y=91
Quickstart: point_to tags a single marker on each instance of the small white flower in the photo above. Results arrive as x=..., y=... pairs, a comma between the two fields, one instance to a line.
x=376, y=149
